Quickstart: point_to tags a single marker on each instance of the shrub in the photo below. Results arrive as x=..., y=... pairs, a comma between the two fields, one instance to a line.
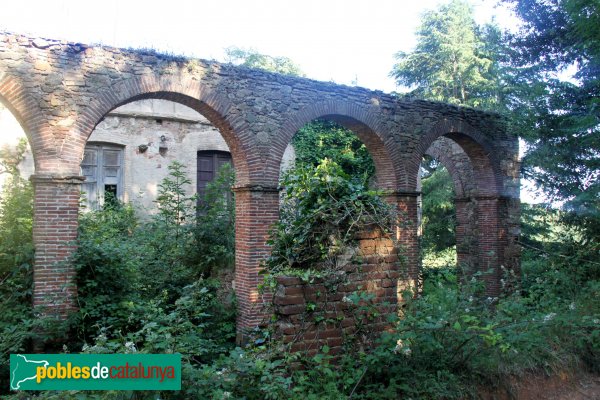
x=129, y=271
x=322, y=211
x=16, y=261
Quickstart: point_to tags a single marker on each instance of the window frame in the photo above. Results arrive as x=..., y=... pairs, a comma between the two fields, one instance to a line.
x=100, y=178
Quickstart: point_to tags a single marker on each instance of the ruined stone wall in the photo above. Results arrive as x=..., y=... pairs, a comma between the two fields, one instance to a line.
x=59, y=92
x=350, y=309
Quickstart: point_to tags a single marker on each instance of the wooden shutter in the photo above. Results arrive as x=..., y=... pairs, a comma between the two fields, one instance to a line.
x=209, y=163
x=102, y=167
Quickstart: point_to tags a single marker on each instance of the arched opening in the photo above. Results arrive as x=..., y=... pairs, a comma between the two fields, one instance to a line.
x=323, y=138
x=152, y=134
x=460, y=210
x=15, y=152
x=334, y=226
x=437, y=216
x=170, y=236
x=348, y=141
x=16, y=230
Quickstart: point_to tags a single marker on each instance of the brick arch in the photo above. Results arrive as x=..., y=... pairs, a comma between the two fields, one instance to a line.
x=29, y=116
x=214, y=106
x=486, y=167
x=366, y=125
x=457, y=162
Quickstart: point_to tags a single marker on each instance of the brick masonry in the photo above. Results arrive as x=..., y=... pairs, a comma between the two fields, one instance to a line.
x=59, y=92
x=349, y=309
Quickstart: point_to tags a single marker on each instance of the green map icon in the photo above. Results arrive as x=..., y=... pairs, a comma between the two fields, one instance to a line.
x=23, y=369
x=95, y=371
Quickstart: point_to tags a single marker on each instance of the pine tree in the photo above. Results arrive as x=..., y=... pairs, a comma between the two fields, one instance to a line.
x=451, y=61
x=559, y=118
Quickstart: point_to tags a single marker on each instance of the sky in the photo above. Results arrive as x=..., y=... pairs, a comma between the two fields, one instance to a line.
x=344, y=41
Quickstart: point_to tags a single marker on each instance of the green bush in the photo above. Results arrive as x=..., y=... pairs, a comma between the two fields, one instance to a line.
x=16, y=260
x=322, y=211
x=323, y=139
x=128, y=270
x=214, y=233
x=141, y=290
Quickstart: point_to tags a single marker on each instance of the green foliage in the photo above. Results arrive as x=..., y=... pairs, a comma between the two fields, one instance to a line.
x=451, y=61
x=214, y=233
x=175, y=207
x=128, y=270
x=558, y=118
x=10, y=158
x=16, y=262
x=322, y=210
x=323, y=139
x=108, y=261
x=447, y=342
x=253, y=59
x=196, y=325
x=438, y=211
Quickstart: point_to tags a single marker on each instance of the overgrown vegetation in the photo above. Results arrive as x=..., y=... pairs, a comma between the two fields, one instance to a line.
x=16, y=262
x=447, y=338
x=164, y=270
x=149, y=286
x=323, y=139
x=144, y=286
x=321, y=212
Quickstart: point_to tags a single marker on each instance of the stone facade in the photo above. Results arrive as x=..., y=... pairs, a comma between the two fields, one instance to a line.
x=59, y=92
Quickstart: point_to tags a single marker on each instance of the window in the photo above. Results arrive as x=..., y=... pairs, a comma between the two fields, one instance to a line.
x=209, y=163
x=102, y=167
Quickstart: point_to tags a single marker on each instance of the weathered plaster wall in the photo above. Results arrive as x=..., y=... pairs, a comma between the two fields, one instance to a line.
x=145, y=122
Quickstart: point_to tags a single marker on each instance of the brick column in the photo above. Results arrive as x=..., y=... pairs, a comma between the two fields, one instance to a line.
x=56, y=208
x=407, y=204
x=510, y=220
x=490, y=239
x=256, y=210
x=466, y=236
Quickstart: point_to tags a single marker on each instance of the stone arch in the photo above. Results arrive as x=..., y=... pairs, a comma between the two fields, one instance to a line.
x=486, y=168
x=365, y=124
x=212, y=105
x=480, y=232
x=29, y=116
x=460, y=168
x=456, y=161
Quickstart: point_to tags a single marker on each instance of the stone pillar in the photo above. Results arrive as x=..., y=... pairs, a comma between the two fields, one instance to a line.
x=466, y=236
x=256, y=210
x=56, y=209
x=491, y=239
x=510, y=219
x=407, y=204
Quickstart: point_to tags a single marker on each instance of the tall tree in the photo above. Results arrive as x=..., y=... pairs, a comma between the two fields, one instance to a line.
x=453, y=60
x=560, y=118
